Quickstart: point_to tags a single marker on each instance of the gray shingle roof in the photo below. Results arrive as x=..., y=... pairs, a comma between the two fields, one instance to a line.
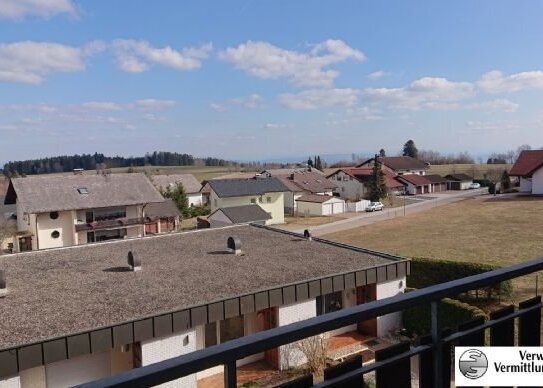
x=459, y=177
x=315, y=198
x=62, y=291
x=189, y=182
x=39, y=194
x=162, y=209
x=243, y=187
x=244, y=213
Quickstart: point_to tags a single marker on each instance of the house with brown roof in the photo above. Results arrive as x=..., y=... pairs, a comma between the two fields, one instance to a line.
x=415, y=184
x=82, y=313
x=399, y=165
x=459, y=181
x=529, y=168
x=353, y=182
x=189, y=182
x=319, y=205
x=439, y=183
x=60, y=211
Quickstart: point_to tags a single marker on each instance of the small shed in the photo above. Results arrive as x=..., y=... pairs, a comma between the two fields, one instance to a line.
x=438, y=183
x=238, y=215
x=320, y=205
x=415, y=184
x=459, y=181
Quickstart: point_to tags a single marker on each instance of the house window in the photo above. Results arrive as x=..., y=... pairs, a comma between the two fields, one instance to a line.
x=253, y=200
x=329, y=303
x=55, y=234
x=53, y=215
x=268, y=199
x=82, y=190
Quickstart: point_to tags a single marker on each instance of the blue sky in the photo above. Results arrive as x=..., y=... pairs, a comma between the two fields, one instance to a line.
x=267, y=79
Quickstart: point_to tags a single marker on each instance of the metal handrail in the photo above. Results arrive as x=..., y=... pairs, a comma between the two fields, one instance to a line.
x=231, y=351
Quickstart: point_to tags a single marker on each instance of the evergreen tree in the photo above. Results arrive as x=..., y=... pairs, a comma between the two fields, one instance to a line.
x=378, y=188
x=409, y=149
x=506, y=181
x=382, y=153
x=318, y=166
x=179, y=197
x=309, y=162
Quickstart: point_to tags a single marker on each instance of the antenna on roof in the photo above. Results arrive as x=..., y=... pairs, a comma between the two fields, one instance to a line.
x=3, y=289
x=307, y=235
x=234, y=245
x=134, y=261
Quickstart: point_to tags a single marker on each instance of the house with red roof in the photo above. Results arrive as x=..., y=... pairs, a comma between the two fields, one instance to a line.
x=415, y=184
x=353, y=182
x=529, y=168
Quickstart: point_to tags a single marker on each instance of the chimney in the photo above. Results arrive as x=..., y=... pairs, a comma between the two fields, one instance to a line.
x=234, y=245
x=3, y=289
x=307, y=235
x=134, y=261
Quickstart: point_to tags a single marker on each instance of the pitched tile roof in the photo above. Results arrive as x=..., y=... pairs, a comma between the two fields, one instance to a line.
x=315, y=198
x=414, y=179
x=189, y=182
x=435, y=178
x=399, y=163
x=162, y=209
x=527, y=163
x=459, y=177
x=303, y=180
x=244, y=187
x=243, y=214
x=40, y=194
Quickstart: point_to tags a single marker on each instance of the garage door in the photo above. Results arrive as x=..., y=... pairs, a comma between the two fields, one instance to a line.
x=327, y=209
x=78, y=370
x=419, y=189
x=338, y=207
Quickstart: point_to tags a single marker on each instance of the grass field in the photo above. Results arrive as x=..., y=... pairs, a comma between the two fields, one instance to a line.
x=496, y=231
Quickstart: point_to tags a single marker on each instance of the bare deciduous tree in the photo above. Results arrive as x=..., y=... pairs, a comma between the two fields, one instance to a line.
x=7, y=230
x=315, y=350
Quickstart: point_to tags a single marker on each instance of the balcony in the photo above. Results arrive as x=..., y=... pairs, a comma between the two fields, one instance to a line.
x=110, y=223
x=520, y=325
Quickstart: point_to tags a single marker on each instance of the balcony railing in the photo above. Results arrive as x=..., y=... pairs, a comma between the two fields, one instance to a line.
x=392, y=365
x=113, y=223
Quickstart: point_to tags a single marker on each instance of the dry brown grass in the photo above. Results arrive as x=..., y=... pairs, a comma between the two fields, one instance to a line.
x=297, y=222
x=501, y=231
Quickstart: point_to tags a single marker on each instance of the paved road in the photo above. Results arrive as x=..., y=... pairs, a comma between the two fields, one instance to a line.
x=425, y=202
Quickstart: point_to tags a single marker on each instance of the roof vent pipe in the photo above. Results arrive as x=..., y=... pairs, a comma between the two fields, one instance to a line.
x=134, y=261
x=234, y=245
x=3, y=289
x=307, y=235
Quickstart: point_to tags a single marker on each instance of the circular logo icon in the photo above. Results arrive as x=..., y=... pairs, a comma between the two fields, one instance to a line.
x=473, y=364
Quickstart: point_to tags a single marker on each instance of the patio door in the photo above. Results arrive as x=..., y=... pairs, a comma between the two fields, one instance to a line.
x=268, y=319
x=365, y=294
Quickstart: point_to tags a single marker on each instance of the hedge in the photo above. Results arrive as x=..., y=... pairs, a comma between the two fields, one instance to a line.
x=416, y=321
x=428, y=272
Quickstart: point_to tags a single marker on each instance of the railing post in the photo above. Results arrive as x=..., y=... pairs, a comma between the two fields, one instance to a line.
x=436, y=339
x=230, y=376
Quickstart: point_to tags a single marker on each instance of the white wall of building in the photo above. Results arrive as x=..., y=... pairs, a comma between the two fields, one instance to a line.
x=390, y=322
x=349, y=300
x=289, y=356
x=10, y=382
x=330, y=207
x=194, y=199
x=525, y=185
x=537, y=182
x=64, y=224
x=78, y=370
x=33, y=377
x=272, y=203
x=160, y=349
x=348, y=187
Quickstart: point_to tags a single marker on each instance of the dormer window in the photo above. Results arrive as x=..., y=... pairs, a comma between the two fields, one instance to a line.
x=82, y=190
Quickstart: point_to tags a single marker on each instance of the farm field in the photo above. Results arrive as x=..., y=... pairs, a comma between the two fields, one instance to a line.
x=501, y=231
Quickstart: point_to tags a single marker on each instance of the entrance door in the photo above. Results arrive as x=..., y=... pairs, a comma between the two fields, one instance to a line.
x=268, y=319
x=25, y=244
x=365, y=294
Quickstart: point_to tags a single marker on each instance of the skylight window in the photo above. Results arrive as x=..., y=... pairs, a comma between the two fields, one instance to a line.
x=82, y=190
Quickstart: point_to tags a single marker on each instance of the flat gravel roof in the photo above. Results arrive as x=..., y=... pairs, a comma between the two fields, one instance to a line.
x=62, y=291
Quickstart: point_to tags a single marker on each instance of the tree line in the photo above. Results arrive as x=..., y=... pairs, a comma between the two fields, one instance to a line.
x=95, y=161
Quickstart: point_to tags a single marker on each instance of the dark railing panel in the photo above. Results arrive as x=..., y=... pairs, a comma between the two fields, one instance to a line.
x=503, y=334
x=475, y=339
x=529, y=328
x=301, y=382
x=426, y=362
x=349, y=365
x=398, y=374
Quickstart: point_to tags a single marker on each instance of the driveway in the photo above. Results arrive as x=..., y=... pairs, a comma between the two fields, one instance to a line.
x=416, y=204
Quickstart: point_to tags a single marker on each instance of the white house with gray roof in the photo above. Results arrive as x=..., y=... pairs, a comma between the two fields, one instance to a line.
x=268, y=193
x=189, y=182
x=60, y=211
x=95, y=316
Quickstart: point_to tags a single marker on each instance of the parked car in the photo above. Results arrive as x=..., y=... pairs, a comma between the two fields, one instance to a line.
x=475, y=185
x=375, y=206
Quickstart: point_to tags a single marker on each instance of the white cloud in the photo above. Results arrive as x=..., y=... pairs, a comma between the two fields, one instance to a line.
x=266, y=61
x=43, y=108
x=102, y=105
x=378, y=75
x=276, y=126
x=492, y=126
x=19, y=9
x=319, y=98
x=495, y=105
x=151, y=103
x=495, y=82
x=253, y=101
x=30, y=62
x=136, y=56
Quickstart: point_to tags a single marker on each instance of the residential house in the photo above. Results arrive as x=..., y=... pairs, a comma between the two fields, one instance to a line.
x=8, y=226
x=243, y=214
x=265, y=192
x=353, y=183
x=189, y=182
x=60, y=211
x=399, y=165
x=161, y=217
x=319, y=205
x=529, y=168
x=459, y=181
x=415, y=184
x=439, y=183
x=96, y=316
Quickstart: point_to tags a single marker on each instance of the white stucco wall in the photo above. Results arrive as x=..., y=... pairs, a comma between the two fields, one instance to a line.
x=160, y=349
x=194, y=199
x=78, y=370
x=348, y=187
x=64, y=224
x=537, y=182
x=275, y=207
x=10, y=382
x=525, y=185
x=332, y=206
x=289, y=356
x=390, y=322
